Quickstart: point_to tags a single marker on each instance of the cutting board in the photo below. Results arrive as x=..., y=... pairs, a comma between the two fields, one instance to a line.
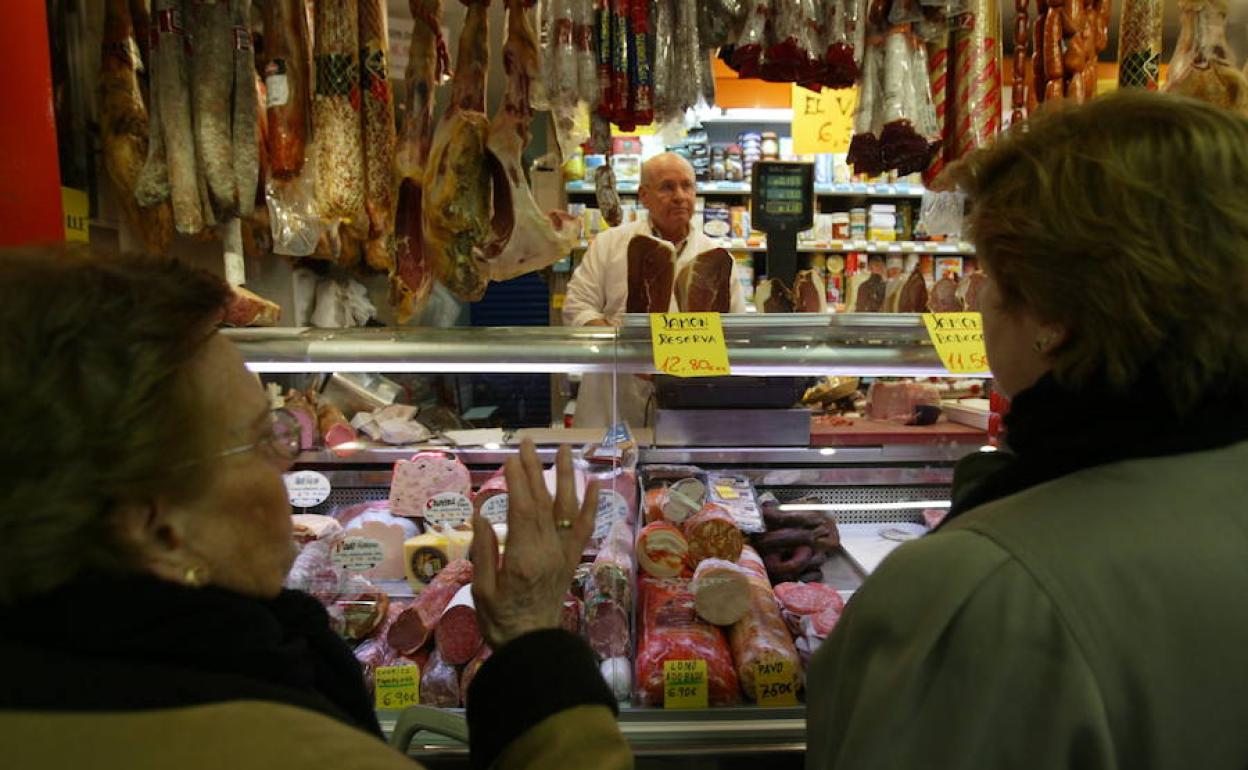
x=867, y=432
x=867, y=546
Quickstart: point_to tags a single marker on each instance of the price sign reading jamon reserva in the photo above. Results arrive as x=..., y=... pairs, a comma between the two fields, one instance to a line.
x=684, y=684
x=959, y=341
x=689, y=344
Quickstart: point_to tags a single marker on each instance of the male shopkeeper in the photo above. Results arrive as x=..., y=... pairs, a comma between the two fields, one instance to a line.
x=599, y=288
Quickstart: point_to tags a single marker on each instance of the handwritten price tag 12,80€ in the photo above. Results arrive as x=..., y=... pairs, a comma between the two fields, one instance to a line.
x=959, y=341
x=689, y=344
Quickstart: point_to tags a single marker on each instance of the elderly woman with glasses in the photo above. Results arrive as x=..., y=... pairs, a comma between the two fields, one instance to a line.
x=145, y=535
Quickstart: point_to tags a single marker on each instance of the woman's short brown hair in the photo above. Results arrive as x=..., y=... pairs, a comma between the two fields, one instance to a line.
x=98, y=404
x=1126, y=220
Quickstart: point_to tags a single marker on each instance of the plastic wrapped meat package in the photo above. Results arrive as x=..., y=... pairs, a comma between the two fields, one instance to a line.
x=761, y=636
x=669, y=629
x=314, y=571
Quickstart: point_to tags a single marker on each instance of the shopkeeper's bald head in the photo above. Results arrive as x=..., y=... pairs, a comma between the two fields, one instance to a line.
x=668, y=191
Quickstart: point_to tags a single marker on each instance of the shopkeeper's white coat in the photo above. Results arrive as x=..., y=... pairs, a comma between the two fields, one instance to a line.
x=599, y=289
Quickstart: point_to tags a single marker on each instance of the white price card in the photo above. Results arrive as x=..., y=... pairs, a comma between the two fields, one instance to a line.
x=306, y=489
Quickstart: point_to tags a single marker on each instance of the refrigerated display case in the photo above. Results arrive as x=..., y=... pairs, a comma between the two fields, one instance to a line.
x=875, y=482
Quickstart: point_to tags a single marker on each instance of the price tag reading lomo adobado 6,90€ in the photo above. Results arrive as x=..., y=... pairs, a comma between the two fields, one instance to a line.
x=775, y=684
x=684, y=684
x=689, y=344
x=959, y=341
x=397, y=687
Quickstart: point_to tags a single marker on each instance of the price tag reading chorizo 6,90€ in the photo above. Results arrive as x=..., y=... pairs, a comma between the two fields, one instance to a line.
x=684, y=684
x=397, y=687
x=959, y=341
x=775, y=684
x=689, y=344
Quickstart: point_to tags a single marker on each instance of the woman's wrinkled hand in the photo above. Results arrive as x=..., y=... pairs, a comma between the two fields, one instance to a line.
x=545, y=538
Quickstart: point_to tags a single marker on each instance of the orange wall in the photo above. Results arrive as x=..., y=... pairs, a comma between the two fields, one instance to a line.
x=30, y=176
x=732, y=92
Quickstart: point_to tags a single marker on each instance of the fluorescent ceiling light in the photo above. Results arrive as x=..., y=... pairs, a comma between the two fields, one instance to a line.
x=912, y=505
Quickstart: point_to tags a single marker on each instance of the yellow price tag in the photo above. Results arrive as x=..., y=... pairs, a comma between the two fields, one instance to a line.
x=726, y=492
x=959, y=341
x=775, y=684
x=824, y=121
x=684, y=684
x=689, y=344
x=557, y=300
x=397, y=687
x=77, y=211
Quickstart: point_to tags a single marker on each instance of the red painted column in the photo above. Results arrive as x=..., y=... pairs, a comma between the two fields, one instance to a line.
x=30, y=175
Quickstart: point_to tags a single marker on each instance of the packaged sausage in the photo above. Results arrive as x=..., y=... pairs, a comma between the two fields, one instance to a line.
x=669, y=629
x=721, y=592
x=413, y=627
x=457, y=635
x=661, y=550
x=713, y=533
x=439, y=683
x=761, y=636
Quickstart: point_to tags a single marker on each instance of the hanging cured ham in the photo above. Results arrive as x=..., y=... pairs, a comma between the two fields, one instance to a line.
x=286, y=85
x=1201, y=66
x=427, y=63
x=457, y=188
x=525, y=238
x=124, y=127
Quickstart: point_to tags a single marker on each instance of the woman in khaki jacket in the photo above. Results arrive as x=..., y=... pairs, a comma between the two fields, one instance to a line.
x=145, y=535
x=1083, y=606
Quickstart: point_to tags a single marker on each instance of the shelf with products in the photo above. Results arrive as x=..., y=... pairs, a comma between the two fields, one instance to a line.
x=854, y=189
x=956, y=248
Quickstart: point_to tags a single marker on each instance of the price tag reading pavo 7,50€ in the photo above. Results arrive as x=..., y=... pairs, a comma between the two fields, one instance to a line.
x=689, y=344
x=684, y=684
x=959, y=341
x=775, y=684
x=397, y=687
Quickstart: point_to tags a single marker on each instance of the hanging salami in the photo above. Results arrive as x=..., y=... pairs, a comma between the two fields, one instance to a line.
x=379, y=134
x=212, y=84
x=245, y=120
x=171, y=95
x=336, y=111
x=286, y=85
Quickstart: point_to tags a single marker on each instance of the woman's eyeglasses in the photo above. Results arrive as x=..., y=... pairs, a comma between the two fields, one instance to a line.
x=283, y=439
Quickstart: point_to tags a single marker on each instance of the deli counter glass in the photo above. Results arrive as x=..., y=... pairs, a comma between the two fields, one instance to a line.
x=831, y=441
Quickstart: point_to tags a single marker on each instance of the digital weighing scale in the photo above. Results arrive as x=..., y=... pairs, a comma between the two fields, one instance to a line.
x=782, y=202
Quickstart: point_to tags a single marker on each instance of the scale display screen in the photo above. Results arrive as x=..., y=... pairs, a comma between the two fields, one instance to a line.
x=783, y=196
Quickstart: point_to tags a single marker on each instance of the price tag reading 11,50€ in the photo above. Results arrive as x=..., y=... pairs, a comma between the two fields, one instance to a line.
x=689, y=344
x=397, y=686
x=959, y=341
x=684, y=684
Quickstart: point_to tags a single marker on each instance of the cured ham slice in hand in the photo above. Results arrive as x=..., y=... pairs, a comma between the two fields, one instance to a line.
x=651, y=273
x=704, y=283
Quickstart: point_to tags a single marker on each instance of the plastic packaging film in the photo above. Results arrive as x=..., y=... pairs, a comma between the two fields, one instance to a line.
x=977, y=73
